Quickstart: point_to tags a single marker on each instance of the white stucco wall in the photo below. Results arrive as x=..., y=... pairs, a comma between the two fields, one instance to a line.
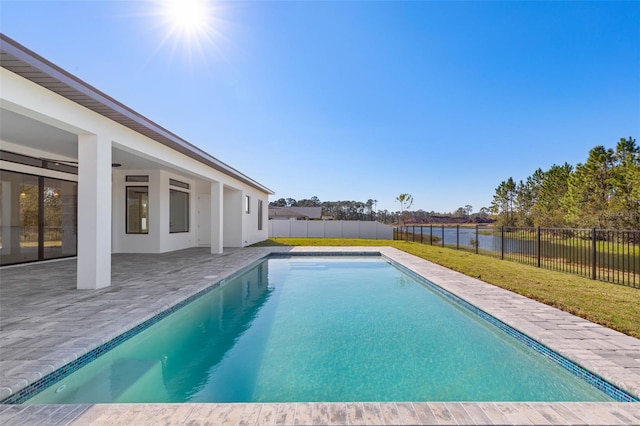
x=202, y=207
x=250, y=232
x=233, y=216
x=31, y=100
x=159, y=239
x=135, y=243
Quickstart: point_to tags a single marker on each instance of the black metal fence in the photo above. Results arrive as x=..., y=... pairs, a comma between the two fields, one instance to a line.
x=599, y=254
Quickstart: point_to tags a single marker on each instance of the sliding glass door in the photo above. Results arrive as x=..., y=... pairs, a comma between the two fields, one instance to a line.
x=59, y=218
x=19, y=228
x=38, y=218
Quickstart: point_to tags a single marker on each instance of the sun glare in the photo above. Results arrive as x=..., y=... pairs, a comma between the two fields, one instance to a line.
x=190, y=27
x=186, y=16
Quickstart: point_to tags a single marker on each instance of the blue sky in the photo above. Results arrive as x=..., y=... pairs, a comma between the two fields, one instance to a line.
x=363, y=100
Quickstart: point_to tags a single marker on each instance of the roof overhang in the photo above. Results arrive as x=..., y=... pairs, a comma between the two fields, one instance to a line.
x=33, y=67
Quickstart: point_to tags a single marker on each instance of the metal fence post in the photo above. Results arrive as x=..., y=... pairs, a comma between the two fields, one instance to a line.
x=619, y=264
x=594, y=255
x=539, y=246
x=477, y=239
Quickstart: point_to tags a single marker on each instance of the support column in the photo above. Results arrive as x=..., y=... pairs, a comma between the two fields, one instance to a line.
x=94, y=212
x=217, y=217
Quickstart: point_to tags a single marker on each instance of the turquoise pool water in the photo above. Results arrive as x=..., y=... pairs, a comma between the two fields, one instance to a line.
x=320, y=329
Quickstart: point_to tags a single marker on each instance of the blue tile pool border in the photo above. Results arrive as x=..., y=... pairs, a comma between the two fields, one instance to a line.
x=38, y=386
x=593, y=379
x=327, y=254
x=71, y=367
x=41, y=384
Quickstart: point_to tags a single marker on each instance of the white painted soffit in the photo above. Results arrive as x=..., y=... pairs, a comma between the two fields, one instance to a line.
x=35, y=68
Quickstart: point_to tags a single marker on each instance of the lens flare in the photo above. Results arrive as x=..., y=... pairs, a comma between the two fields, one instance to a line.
x=189, y=28
x=186, y=17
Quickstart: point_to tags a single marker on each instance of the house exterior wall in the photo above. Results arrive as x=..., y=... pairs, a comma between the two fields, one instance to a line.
x=233, y=218
x=135, y=243
x=159, y=239
x=202, y=209
x=28, y=99
x=250, y=232
x=34, y=101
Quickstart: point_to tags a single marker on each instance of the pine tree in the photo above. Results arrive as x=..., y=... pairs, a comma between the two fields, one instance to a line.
x=590, y=190
x=625, y=203
x=503, y=202
x=548, y=210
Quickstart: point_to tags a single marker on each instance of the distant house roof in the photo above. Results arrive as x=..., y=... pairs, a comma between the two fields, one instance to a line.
x=295, y=212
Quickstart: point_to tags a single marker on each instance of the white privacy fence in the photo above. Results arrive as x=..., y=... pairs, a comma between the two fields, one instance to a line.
x=330, y=229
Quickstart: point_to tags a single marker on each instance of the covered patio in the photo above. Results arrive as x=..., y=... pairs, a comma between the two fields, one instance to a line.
x=84, y=175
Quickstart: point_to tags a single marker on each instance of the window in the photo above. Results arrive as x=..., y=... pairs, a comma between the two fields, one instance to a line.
x=259, y=215
x=20, y=159
x=179, y=184
x=66, y=166
x=132, y=178
x=247, y=203
x=178, y=211
x=137, y=210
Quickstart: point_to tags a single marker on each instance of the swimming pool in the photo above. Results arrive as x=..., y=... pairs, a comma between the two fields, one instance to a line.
x=320, y=329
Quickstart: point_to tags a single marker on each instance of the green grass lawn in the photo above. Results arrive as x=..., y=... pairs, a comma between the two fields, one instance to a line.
x=611, y=305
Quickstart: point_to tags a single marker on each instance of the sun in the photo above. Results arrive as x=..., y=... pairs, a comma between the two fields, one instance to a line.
x=186, y=17
x=189, y=28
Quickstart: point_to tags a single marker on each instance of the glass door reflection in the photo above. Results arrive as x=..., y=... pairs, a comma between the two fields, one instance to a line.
x=38, y=218
x=59, y=218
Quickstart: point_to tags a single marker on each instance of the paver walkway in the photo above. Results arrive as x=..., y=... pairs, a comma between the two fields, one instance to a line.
x=45, y=323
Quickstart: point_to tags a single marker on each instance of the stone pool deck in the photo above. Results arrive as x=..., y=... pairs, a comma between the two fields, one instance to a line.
x=45, y=323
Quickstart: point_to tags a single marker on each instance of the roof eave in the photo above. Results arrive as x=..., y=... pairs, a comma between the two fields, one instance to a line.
x=35, y=68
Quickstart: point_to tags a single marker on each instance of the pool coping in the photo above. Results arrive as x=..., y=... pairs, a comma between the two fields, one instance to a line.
x=593, y=347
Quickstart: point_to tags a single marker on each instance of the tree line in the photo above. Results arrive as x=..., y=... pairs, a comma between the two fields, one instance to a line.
x=602, y=193
x=366, y=210
x=337, y=210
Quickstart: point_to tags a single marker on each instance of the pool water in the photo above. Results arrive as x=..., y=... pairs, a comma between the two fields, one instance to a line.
x=320, y=329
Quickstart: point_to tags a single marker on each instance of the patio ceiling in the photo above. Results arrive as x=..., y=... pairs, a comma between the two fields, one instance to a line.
x=60, y=144
x=22, y=130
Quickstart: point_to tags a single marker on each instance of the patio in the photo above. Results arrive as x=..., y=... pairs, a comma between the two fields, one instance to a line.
x=45, y=323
